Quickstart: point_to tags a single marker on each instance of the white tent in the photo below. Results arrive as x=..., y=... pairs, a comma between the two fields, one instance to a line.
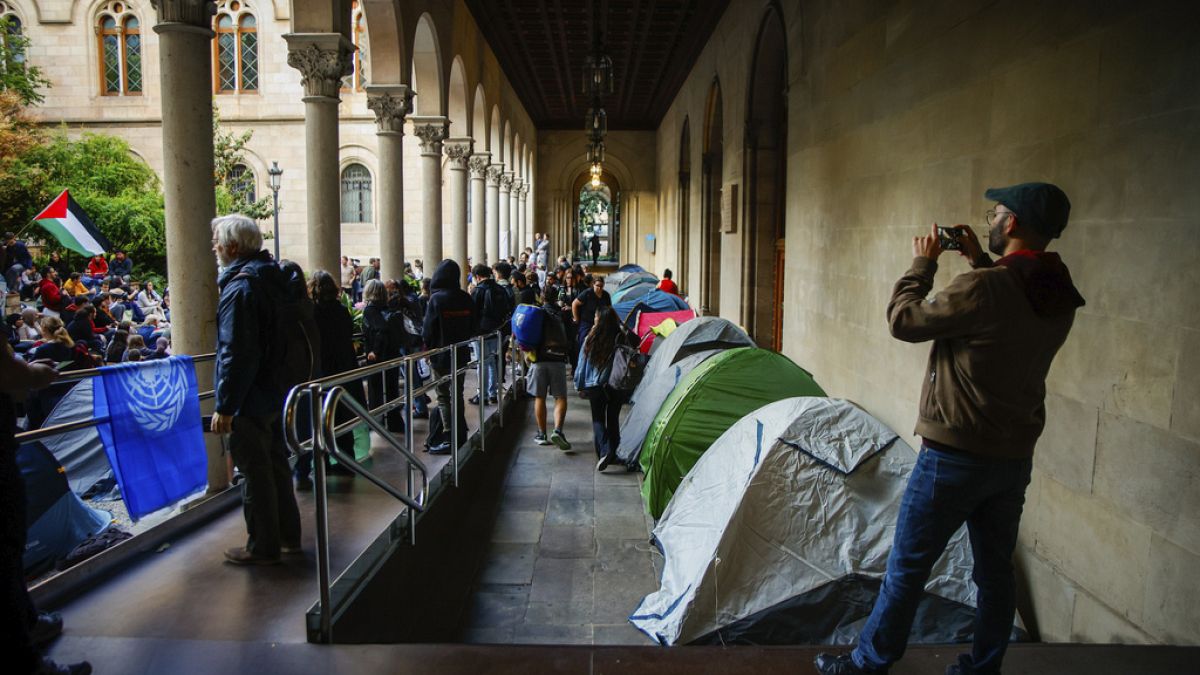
x=780, y=535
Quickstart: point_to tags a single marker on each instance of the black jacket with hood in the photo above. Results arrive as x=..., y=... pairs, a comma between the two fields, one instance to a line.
x=245, y=311
x=450, y=315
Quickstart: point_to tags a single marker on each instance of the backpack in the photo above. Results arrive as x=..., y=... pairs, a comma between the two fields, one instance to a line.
x=498, y=304
x=400, y=331
x=628, y=367
x=293, y=354
x=556, y=345
x=528, y=327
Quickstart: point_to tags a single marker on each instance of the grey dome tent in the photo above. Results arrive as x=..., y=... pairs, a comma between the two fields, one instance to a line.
x=672, y=358
x=780, y=535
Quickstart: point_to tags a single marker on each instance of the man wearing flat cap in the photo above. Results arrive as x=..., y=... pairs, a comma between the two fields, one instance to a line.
x=995, y=331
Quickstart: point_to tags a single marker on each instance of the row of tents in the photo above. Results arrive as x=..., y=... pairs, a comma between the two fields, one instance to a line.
x=775, y=505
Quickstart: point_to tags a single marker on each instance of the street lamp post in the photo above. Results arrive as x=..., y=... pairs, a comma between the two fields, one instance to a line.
x=275, y=174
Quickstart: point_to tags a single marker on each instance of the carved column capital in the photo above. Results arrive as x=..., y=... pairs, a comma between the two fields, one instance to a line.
x=323, y=59
x=524, y=192
x=458, y=152
x=198, y=13
x=431, y=131
x=494, y=173
x=516, y=184
x=391, y=104
x=479, y=164
x=506, y=181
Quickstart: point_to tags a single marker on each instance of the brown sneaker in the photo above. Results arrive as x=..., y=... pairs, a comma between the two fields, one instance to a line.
x=240, y=556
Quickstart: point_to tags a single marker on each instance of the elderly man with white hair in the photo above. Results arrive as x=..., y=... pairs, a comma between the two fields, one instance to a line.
x=249, y=398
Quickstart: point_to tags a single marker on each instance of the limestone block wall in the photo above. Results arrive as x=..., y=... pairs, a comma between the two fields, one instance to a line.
x=901, y=113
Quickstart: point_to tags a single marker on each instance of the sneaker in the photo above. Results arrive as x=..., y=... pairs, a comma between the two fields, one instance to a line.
x=558, y=439
x=604, y=462
x=440, y=449
x=474, y=400
x=840, y=664
x=291, y=550
x=45, y=629
x=48, y=667
x=240, y=556
x=540, y=438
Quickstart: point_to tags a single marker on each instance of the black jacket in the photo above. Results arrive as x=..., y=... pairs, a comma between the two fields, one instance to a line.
x=493, y=305
x=375, y=332
x=243, y=383
x=337, y=337
x=450, y=315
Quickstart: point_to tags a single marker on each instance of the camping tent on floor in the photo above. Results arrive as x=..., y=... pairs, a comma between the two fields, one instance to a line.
x=653, y=327
x=705, y=403
x=654, y=301
x=57, y=520
x=631, y=292
x=631, y=267
x=671, y=360
x=80, y=452
x=780, y=535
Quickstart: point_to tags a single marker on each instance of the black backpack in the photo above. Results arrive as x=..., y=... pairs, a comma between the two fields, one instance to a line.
x=498, y=305
x=292, y=333
x=628, y=367
x=399, y=335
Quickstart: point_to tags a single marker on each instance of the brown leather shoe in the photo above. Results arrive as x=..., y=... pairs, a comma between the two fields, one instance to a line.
x=240, y=556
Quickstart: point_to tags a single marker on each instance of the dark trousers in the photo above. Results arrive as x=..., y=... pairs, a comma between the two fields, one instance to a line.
x=383, y=387
x=945, y=490
x=272, y=517
x=443, y=402
x=18, y=612
x=606, y=405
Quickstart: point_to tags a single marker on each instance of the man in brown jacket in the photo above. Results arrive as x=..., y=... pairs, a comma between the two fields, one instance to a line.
x=995, y=332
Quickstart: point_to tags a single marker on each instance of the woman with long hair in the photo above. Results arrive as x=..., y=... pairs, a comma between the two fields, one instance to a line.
x=56, y=343
x=591, y=376
x=381, y=347
x=117, y=347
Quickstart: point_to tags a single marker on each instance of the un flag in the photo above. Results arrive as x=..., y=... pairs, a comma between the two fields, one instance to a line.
x=148, y=416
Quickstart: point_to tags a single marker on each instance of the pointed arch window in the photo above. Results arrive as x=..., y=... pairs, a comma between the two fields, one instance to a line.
x=356, y=194
x=119, y=41
x=235, y=49
x=357, y=79
x=12, y=27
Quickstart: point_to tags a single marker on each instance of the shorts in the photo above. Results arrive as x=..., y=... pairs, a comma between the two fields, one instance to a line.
x=548, y=377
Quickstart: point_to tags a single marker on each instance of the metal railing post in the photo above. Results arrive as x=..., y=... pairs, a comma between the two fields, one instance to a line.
x=408, y=443
x=322, y=515
x=479, y=365
x=454, y=394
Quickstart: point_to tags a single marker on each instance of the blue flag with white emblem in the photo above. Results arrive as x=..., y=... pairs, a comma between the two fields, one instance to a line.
x=148, y=416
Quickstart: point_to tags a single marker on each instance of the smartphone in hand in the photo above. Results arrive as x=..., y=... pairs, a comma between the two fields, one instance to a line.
x=948, y=238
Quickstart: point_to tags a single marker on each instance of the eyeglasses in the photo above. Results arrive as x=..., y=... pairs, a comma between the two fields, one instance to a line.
x=993, y=215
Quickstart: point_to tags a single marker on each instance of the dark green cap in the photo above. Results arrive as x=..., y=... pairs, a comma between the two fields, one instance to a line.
x=1042, y=206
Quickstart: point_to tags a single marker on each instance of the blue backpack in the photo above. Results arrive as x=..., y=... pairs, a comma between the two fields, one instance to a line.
x=528, y=326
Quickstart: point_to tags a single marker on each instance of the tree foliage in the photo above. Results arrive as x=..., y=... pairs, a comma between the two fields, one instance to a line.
x=17, y=75
x=233, y=196
x=592, y=203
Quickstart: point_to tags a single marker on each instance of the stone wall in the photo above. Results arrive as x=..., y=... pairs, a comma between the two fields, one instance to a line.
x=901, y=113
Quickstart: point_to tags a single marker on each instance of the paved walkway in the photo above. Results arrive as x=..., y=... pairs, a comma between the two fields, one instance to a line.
x=570, y=557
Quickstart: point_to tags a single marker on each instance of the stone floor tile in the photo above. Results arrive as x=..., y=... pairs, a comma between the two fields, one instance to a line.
x=621, y=527
x=528, y=476
x=570, y=512
x=561, y=579
x=518, y=527
x=520, y=498
x=562, y=490
x=614, y=506
x=489, y=636
x=552, y=634
x=567, y=613
x=618, y=494
x=619, y=634
x=508, y=564
x=568, y=541
x=496, y=610
x=568, y=475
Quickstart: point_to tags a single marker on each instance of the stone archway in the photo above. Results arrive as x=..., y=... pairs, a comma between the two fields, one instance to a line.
x=712, y=171
x=611, y=236
x=766, y=177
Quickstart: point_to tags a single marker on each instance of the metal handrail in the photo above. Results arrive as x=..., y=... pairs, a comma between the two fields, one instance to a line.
x=324, y=397
x=80, y=375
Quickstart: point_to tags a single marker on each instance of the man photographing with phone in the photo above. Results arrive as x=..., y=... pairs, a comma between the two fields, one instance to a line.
x=995, y=331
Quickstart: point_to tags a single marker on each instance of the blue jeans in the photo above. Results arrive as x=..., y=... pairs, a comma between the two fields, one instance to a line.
x=491, y=366
x=946, y=490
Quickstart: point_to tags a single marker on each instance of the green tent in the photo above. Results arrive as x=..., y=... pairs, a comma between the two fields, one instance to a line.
x=709, y=400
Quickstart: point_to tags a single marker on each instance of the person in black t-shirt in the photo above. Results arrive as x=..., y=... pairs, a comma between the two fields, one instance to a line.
x=585, y=306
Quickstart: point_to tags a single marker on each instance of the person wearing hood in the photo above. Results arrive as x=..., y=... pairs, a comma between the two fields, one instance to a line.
x=249, y=397
x=995, y=331
x=450, y=318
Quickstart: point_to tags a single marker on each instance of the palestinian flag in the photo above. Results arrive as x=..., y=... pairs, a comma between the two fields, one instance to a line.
x=71, y=226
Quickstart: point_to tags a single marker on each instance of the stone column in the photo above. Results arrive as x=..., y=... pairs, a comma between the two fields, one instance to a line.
x=185, y=37
x=478, y=236
x=322, y=59
x=458, y=153
x=431, y=131
x=390, y=103
x=506, y=181
x=526, y=237
x=514, y=217
x=494, y=173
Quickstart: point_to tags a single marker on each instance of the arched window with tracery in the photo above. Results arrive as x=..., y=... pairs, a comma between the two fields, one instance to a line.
x=235, y=49
x=357, y=79
x=12, y=27
x=119, y=41
x=243, y=182
x=356, y=194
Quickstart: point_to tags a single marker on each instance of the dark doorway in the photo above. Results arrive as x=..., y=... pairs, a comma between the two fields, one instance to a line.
x=712, y=172
x=766, y=177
